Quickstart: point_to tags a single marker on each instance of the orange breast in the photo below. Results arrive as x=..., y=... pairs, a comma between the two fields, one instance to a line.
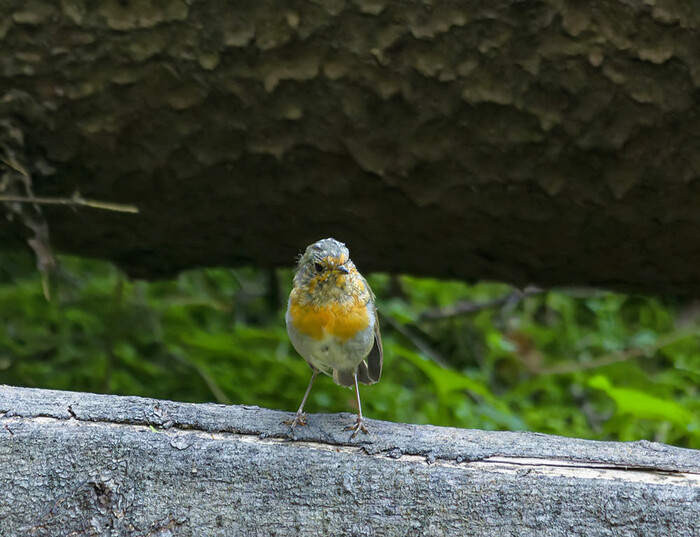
x=331, y=320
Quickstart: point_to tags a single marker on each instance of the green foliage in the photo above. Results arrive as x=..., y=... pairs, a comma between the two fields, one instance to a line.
x=586, y=364
x=636, y=404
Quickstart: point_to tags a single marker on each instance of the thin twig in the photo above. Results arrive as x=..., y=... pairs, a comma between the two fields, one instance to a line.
x=215, y=389
x=73, y=201
x=466, y=308
x=417, y=341
x=615, y=357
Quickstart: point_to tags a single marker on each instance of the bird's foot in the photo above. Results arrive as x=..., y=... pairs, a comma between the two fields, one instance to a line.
x=298, y=419
x=356, y=427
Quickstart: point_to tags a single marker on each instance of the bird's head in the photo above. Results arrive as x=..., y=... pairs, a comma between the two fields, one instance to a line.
x=324, y=266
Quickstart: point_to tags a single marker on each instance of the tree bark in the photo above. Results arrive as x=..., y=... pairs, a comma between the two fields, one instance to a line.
x=84, y=464
x=549, y=142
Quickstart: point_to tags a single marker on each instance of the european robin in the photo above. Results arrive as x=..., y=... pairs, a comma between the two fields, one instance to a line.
x=332, y=322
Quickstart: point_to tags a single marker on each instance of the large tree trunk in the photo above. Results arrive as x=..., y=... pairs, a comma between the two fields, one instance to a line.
x=551, y=142
x=82, y=464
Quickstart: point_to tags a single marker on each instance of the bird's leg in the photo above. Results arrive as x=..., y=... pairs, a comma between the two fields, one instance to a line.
x=300, y=417
x=359, y=424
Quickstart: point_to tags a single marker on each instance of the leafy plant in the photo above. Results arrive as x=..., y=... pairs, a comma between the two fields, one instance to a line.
x=576, y=363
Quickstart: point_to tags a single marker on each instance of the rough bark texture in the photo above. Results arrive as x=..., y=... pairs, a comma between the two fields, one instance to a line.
x=82, y=464
x=549, y=142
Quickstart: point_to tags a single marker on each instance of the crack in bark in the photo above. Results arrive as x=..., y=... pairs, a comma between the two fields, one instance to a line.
x=544, y=466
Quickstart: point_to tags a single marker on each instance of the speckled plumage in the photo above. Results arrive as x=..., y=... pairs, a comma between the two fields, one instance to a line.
x=332, y=320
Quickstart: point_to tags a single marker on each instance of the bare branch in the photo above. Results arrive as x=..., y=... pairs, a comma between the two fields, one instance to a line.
x=74, y=201
x=615, y=357
x=467, y=308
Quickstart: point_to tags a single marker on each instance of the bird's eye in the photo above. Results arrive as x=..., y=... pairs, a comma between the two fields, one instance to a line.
x=318, y=267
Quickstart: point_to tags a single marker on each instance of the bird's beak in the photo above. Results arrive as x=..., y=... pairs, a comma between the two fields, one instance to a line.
x=343, y=269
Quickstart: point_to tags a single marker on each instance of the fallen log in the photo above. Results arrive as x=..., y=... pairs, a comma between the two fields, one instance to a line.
x=86, y=464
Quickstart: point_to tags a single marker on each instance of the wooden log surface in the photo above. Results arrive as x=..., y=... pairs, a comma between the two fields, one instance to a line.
x=85, y=464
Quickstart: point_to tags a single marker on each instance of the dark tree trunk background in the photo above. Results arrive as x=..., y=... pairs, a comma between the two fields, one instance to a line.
x=552, y=142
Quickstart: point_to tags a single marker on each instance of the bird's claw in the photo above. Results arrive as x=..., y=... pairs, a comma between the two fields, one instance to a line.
x=358, y=426
x=298, y=419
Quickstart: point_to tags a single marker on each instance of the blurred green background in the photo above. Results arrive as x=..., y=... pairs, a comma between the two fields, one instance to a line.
x=577, y=363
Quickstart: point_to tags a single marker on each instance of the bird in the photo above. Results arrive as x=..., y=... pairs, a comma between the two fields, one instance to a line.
x=332, y=323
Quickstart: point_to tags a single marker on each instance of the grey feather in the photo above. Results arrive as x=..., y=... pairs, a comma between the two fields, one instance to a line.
x=375, y=358
x=344, y=378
